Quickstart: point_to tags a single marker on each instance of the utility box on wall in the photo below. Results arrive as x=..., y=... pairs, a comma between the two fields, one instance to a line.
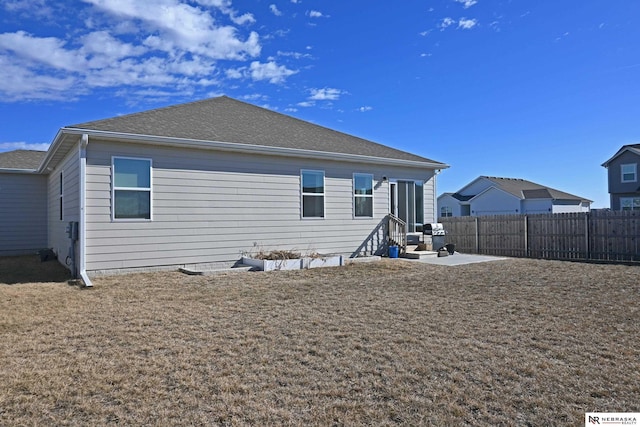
x=72, y=230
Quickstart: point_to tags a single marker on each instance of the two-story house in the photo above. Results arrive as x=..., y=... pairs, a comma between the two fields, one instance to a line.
x=624, y=186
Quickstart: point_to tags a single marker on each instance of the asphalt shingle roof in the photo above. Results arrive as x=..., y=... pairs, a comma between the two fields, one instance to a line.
x=21, y=159
x=224, y=119
x=524, y=189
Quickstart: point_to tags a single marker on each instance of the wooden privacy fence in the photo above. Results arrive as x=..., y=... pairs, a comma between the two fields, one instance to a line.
x=597, y=235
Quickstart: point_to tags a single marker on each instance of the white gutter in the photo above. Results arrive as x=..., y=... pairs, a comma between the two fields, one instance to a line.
x=12, y=170
x=82, y=238
x=249, y=148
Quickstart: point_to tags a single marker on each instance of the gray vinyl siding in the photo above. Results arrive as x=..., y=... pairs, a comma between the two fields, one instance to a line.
x=57, y=237
x=617, y=188
x=212, y=206
x=23, y=210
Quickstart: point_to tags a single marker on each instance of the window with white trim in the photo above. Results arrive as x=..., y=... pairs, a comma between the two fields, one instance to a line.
x=629, y=172
x=131, y=188
x=630, y=203
x=363, y=195
x=446, y=212
x=312, y=186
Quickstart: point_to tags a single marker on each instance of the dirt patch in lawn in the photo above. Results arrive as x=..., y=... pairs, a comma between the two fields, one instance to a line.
x=29, y=269
x=515, y=342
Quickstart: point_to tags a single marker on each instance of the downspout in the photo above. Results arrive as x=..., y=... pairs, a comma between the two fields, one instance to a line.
x=435, y=194
x=82, y=238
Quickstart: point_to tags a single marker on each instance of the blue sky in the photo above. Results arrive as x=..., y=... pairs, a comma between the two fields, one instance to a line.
x=541, y=90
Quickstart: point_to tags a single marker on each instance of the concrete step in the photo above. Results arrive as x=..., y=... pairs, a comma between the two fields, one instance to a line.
x=412, y=253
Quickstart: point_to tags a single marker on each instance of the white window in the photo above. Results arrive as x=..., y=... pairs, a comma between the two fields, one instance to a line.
x=630, y=203
x=131, y=188
x=363, y=195
x=312, y=184
x=445, y=212
x=629, y=172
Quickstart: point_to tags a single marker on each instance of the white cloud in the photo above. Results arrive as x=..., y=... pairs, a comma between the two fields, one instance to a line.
x=467, y=24
x=234, y=73
x=225, y=7
x=104, y=49
x=467, y=3
x=463, y=23
x=185, y=27
x=269, y=71
x=258, y=71
x=136, y=47
x=255, y=97
x=306, y=104
x=45, y=50
x=365, y=108
x=325, y=94
x=446, y=22
x=10, y=146
x=32, y=7
x=274, y=10
x=246, y=18
x=17, y=82
x=316, y=14
x=296, y=55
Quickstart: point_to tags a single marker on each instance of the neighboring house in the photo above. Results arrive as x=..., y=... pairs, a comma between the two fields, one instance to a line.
x=624, y=186
x=23, y=203
x=488, y=195
x=203, y=182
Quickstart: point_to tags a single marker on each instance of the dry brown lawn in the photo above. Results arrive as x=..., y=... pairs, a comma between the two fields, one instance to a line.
x=514, y=342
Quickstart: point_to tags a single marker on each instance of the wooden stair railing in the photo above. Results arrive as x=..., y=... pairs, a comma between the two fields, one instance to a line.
x=397, y=233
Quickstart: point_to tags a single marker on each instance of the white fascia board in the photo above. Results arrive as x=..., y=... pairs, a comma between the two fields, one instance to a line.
x=248, y=148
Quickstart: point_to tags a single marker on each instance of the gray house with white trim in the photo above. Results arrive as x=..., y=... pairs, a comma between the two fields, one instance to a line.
x=487, y=195
x=203, y=182
x=622, y=172
x=23, y=203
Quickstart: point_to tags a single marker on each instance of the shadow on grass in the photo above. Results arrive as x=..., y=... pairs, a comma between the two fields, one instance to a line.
x=29, y=269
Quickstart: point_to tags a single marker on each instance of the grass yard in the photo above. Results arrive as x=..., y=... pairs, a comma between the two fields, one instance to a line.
x=514, y=342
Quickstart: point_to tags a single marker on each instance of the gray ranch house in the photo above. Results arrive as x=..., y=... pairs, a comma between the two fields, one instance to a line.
x=622, y=171
x=488, y=195
x=203, y=182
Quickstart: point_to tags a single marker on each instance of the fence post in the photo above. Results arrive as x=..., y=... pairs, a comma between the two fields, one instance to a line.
x=586, y=235
x=477, y=238
x=526, y=236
